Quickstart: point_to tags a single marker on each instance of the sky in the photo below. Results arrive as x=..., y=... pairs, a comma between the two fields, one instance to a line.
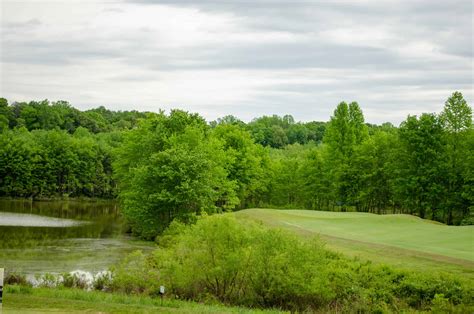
x=245, y=58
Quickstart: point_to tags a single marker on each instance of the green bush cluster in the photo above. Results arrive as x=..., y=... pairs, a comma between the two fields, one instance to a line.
x=14, y=278
x=135, y=275
x=101, y=281
x=224, y=260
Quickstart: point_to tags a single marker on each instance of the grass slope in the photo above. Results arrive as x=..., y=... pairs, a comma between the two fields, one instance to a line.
x=401, y=240
x=18, y=299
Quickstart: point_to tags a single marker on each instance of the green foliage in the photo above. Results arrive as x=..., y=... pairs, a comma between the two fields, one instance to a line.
x=286, y=183
x=424, y=168
x=14, y=278
x=277, y=132
x=242, y=263
x=61, y=115
x=247, y=163
x=339, y=134
x=345, y=131
x=171, y=167
x=421, y=165
x=44, y=163
x=440, y=304
x=47, y=280
x=134, y=275
x=73, y=280
x=457, y=114
x=103, y=281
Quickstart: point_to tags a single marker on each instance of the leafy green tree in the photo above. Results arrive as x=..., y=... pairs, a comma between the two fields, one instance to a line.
x=17, y=151
x=345, y=130
x=247, y=163
x=286, y=189
x=229, y=119
x=270, y=131
x=5, y=115
x=421, y=168
x=316, y=131
x=467, y=189
x=317, y=186
x=297, y=133
x=170, y=167
x=457, y=114
x=356, y=118
x=457, y=121
x=339, y=135
x=69, y=116
x=371, y=166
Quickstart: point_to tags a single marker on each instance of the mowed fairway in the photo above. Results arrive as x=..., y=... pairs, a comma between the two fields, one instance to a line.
x=403, y=240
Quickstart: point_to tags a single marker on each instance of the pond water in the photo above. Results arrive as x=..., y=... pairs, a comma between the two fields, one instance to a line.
x=62, y=236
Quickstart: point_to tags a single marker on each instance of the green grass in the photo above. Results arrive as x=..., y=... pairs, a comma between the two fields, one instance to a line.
x=401, y=240
x=19, y=299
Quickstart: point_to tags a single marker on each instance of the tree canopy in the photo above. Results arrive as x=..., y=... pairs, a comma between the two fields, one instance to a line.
x=163, y=166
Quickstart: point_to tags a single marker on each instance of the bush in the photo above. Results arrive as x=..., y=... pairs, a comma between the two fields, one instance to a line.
x=468, y=221
x=14, y=278
x=47, y=280
x=103, y=281
x=135, y=275
x=441, y=304
x=247, y=264
x=221, y=259
x=77, y=279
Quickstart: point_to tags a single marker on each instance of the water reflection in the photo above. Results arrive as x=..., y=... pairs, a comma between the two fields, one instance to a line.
x=29, y=220
x=58, y=236
x=73, y=209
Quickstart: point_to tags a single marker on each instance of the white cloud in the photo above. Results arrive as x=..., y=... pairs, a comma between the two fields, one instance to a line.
x=237, y=58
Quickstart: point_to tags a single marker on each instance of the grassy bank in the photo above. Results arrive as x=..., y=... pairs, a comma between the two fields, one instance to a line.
x=400, y=240
x=20, y=299
x=245, y=264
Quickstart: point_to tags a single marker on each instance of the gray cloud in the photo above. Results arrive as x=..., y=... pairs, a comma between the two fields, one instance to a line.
x=449, y=23
x=58, y=52
x=263, y=57
x=19, y=25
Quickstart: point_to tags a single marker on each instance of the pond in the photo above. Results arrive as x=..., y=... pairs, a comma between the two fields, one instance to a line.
x=61, y=236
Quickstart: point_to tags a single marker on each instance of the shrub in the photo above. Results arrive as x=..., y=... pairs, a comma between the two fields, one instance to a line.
x=135, y=275
x=441, y=304
x=468, y=221
x=244, y=264
x=103, y=281
x=219, y=258
x=47, y=280
x=77, y=279
x=204, y=260
x=14, y=278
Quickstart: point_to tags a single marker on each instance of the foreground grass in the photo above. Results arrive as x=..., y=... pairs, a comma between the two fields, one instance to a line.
x=400, y=240
x=20, y=299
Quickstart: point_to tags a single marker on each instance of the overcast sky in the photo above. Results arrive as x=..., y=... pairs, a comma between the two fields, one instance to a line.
x=236, y=57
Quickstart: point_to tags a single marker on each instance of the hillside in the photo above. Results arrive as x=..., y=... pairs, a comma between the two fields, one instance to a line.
x=400, y=240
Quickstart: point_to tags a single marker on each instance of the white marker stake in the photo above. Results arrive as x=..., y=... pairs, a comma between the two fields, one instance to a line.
x=162, y=293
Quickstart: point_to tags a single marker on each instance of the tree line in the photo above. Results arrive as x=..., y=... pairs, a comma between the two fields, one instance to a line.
x=424, y=167
x=53, y=163
x=163, y=166
x=46, y=115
